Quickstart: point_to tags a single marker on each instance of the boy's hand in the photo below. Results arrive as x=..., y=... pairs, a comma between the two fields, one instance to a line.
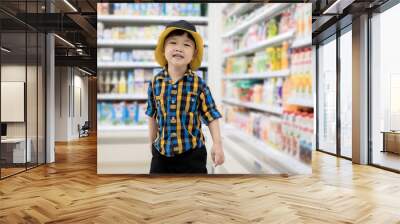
x=217, y=154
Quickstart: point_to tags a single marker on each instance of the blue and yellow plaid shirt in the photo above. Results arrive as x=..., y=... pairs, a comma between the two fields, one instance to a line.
x=178, y=108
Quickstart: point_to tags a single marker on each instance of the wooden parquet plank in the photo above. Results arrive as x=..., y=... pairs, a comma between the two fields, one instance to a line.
x=70, y=191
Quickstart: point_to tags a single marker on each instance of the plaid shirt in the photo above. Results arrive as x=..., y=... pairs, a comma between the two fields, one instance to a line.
x=178, y=108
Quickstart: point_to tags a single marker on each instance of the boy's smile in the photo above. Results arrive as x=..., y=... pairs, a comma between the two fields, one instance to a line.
x=179, y=50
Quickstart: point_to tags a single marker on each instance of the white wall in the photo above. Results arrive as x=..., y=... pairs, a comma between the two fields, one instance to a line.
x=71, y=87
x=17, y=73
x=80, y=94
x=61, y=103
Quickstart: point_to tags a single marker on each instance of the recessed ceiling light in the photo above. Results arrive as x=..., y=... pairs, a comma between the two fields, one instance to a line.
x=86, y=72
x=5, y=49
x=70, y=5
x=338, y=6
x=64, y=40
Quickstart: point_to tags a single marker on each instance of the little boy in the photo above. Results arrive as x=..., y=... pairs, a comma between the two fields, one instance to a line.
x=177, y=100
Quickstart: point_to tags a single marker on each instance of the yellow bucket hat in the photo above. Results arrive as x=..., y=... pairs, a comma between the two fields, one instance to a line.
x=188, y=27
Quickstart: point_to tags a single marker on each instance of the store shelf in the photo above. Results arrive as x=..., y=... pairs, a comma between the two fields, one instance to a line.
x=126, y=43
x=131, y=43
x=123, y=127
x=264, y=75
x=115, y=96
x=301, y=102
x=294, y=165
x=127, y=65
x=269, y=109
x=268, y=11
x=150, y=19
x=134, y=65
x=301, y=42
x=262, y=45
x=242, y=8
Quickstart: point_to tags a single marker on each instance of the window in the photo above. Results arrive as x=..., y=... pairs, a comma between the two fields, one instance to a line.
x=385, y=87
x=327, y=96
x=346, y=93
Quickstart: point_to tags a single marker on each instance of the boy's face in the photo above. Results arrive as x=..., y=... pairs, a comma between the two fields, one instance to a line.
x=179, y=50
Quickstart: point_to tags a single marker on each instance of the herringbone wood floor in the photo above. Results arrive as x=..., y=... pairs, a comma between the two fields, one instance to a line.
x=70, y=191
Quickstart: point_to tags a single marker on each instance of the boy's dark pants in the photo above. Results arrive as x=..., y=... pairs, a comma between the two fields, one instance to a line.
x=192, y=161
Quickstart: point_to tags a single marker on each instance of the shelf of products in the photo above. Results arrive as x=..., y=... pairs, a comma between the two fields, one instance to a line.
x=300, y=82
x=122, y=113
x=134, y=65
x=282, y=133
x=300, y=102
x=127, y=65
x=301, y=42
x=114, y=96
x=130, y=43
x=292, y=164
x=151, y=9
x=273, y=60
x=127, y=36
x=238, y=9
x=276, y=110
x=127, y=43
x=133, y=82
x=143, y=127
x=268, y=93
x=261, y=45
x=118, y=55
x=264, y=75
x=266, y=33
x=244, y=22
x=114, y=56
x=272, y=78
x=150, y=19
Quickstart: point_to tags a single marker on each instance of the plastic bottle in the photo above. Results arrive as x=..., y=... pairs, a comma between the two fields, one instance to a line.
x=271, y=92
x=100, y=82
x=114, y=82
x=131, y=89
x=272, y=28
x=284, y=56
x=107, y=82
x=122, y=83
x=279, y=85
x=278, y=58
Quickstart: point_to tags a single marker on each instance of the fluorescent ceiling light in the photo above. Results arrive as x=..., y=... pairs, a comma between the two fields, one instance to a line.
x=65, y=41
x=70, y=5
x=86, y=72
x=5, y=50
x=338, y=6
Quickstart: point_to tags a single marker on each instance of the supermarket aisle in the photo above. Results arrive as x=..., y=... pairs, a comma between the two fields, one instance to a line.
x=267, y=85
x=243, y=155
x=262, y=82
x=126, y=65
